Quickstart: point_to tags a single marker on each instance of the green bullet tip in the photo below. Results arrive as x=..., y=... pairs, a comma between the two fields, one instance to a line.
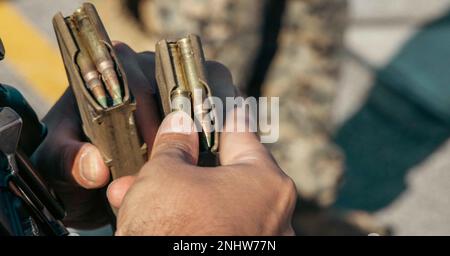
x=117, y=101
x=103, y=102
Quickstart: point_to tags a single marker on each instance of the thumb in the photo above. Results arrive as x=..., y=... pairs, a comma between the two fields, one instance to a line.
x=88, y=169
x=176, y=139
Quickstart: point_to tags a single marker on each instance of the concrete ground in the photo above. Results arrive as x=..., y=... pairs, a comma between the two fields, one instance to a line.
x=377, y=29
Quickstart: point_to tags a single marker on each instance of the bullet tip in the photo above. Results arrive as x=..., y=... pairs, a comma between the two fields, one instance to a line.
x=103, y=102
x=117, y=101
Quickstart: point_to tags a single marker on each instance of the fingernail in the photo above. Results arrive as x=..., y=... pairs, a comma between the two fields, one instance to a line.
x=89, y=164
x=176, y=122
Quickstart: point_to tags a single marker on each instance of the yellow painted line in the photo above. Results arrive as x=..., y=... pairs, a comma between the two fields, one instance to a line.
x=31, y=55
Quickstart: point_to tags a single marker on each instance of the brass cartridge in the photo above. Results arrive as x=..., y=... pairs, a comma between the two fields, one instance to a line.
x=180, y=74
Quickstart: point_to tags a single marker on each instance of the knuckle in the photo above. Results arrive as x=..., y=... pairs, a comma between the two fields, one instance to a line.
x=290, y=190
x=123, y=50
x=216, y=68
x=174, y=145
x=171, y=145
x=147, y=54
x=65, y=164
x=213, y=64
x=119, y=46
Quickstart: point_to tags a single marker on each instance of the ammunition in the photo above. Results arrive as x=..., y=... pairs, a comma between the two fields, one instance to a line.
x=196, y=86
x=180, y=74
x=87, y=68
x=182, y=91
x=100, y=55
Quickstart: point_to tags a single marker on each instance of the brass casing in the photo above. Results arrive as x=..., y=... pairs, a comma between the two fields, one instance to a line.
x=180, y=74
x=113, y=129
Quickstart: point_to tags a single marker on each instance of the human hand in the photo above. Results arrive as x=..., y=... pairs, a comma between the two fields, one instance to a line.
x=73, y=167
x=248, y=195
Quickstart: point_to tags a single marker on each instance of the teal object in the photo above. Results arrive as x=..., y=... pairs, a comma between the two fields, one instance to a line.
x=404, y=120
x=33, y=131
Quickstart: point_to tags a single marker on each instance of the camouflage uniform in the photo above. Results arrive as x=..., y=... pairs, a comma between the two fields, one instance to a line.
x=303, y=73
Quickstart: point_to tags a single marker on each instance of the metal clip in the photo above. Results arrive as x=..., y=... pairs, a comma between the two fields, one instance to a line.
x=181, y=75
